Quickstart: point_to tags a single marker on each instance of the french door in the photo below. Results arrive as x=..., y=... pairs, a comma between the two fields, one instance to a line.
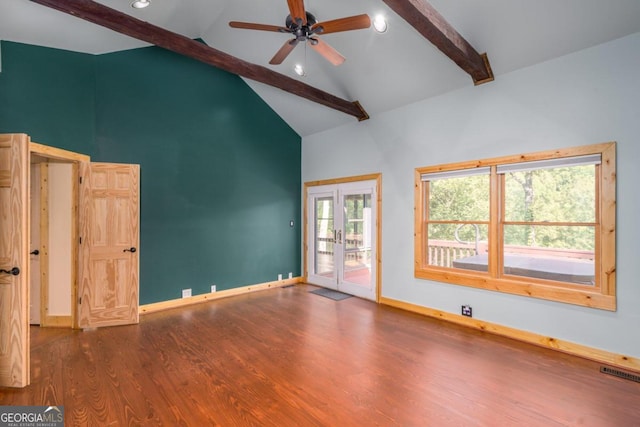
x=341, y=242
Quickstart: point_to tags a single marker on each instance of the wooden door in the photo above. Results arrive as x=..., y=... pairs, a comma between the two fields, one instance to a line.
x=109, y=240
x=14, y=259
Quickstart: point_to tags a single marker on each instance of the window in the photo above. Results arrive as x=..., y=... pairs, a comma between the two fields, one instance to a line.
x=539, y=225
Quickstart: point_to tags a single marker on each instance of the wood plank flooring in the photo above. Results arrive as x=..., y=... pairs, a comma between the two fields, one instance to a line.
x=285, y=357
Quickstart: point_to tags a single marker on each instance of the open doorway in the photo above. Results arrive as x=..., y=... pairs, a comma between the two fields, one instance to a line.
x=53, y=236
x=95, y=287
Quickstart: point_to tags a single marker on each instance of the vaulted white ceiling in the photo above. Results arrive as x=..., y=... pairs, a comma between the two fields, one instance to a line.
x=382, y=71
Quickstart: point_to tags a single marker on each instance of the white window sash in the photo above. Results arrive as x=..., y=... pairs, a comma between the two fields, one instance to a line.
x=459, y=173
x=591, y=159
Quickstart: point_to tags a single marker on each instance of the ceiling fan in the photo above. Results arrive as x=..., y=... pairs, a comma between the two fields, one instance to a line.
x=305, y=27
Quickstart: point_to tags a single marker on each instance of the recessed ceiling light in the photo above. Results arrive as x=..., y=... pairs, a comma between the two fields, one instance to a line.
x=140, y=4
x=299, y=69
x=380, y=24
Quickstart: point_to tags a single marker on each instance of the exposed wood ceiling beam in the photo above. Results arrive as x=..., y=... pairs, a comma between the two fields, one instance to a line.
x=424, y=18
x=130, y=26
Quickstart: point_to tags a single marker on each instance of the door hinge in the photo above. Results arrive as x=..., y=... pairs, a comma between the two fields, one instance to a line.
x=80, y=240
x=79, y=300
x=80, y=180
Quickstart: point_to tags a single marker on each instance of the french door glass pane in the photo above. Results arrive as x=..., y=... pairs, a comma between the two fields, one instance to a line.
x=324, y=236
x=357, y=239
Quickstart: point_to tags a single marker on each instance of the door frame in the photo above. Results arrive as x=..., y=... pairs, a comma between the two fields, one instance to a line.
x=377, y=177
x=46, y=154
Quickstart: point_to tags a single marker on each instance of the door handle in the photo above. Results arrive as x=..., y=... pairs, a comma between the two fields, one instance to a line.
x=14, y=271
x=35, y=252
x=131, y=249
x=339, y=237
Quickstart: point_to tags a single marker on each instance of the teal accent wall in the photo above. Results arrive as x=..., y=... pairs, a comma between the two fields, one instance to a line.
x=220, y=170
x=49, y=94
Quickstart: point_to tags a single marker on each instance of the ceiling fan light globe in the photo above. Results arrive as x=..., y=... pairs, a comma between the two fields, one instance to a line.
x=299, y=70
x=140, y=4
x=380, y=24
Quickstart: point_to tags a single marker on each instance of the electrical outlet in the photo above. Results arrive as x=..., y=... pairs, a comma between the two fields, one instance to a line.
x=466, y=311
x=213, y=288
x=186, y=293
x=279, y=276
x=290, y=275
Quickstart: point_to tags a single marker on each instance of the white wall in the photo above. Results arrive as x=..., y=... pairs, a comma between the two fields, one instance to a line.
x=584, y=98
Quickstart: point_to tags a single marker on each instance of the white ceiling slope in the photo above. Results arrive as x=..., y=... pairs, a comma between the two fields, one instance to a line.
x=382, y=71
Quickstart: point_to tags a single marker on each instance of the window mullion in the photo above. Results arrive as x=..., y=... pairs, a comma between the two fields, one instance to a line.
x=599, y=279
x=423, y=225
x=552, y=223
x=496, y=207
x=421, y=214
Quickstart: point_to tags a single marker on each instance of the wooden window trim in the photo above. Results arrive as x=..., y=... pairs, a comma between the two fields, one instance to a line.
x=602, y=295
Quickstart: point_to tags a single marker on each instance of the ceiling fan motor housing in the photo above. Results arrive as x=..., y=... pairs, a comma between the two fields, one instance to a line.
x=301, y=31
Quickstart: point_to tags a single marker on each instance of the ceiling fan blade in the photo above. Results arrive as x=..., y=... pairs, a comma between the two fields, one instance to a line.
x=329, y=53
x=284, y=51
x=296, y=9
x=261, y=27
x=356, y=22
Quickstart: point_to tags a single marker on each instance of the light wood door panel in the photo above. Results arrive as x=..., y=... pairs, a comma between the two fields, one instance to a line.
x=14, y=241
x=109, y=224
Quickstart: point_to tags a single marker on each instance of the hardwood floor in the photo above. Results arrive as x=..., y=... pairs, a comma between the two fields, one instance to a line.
x=285, y=357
